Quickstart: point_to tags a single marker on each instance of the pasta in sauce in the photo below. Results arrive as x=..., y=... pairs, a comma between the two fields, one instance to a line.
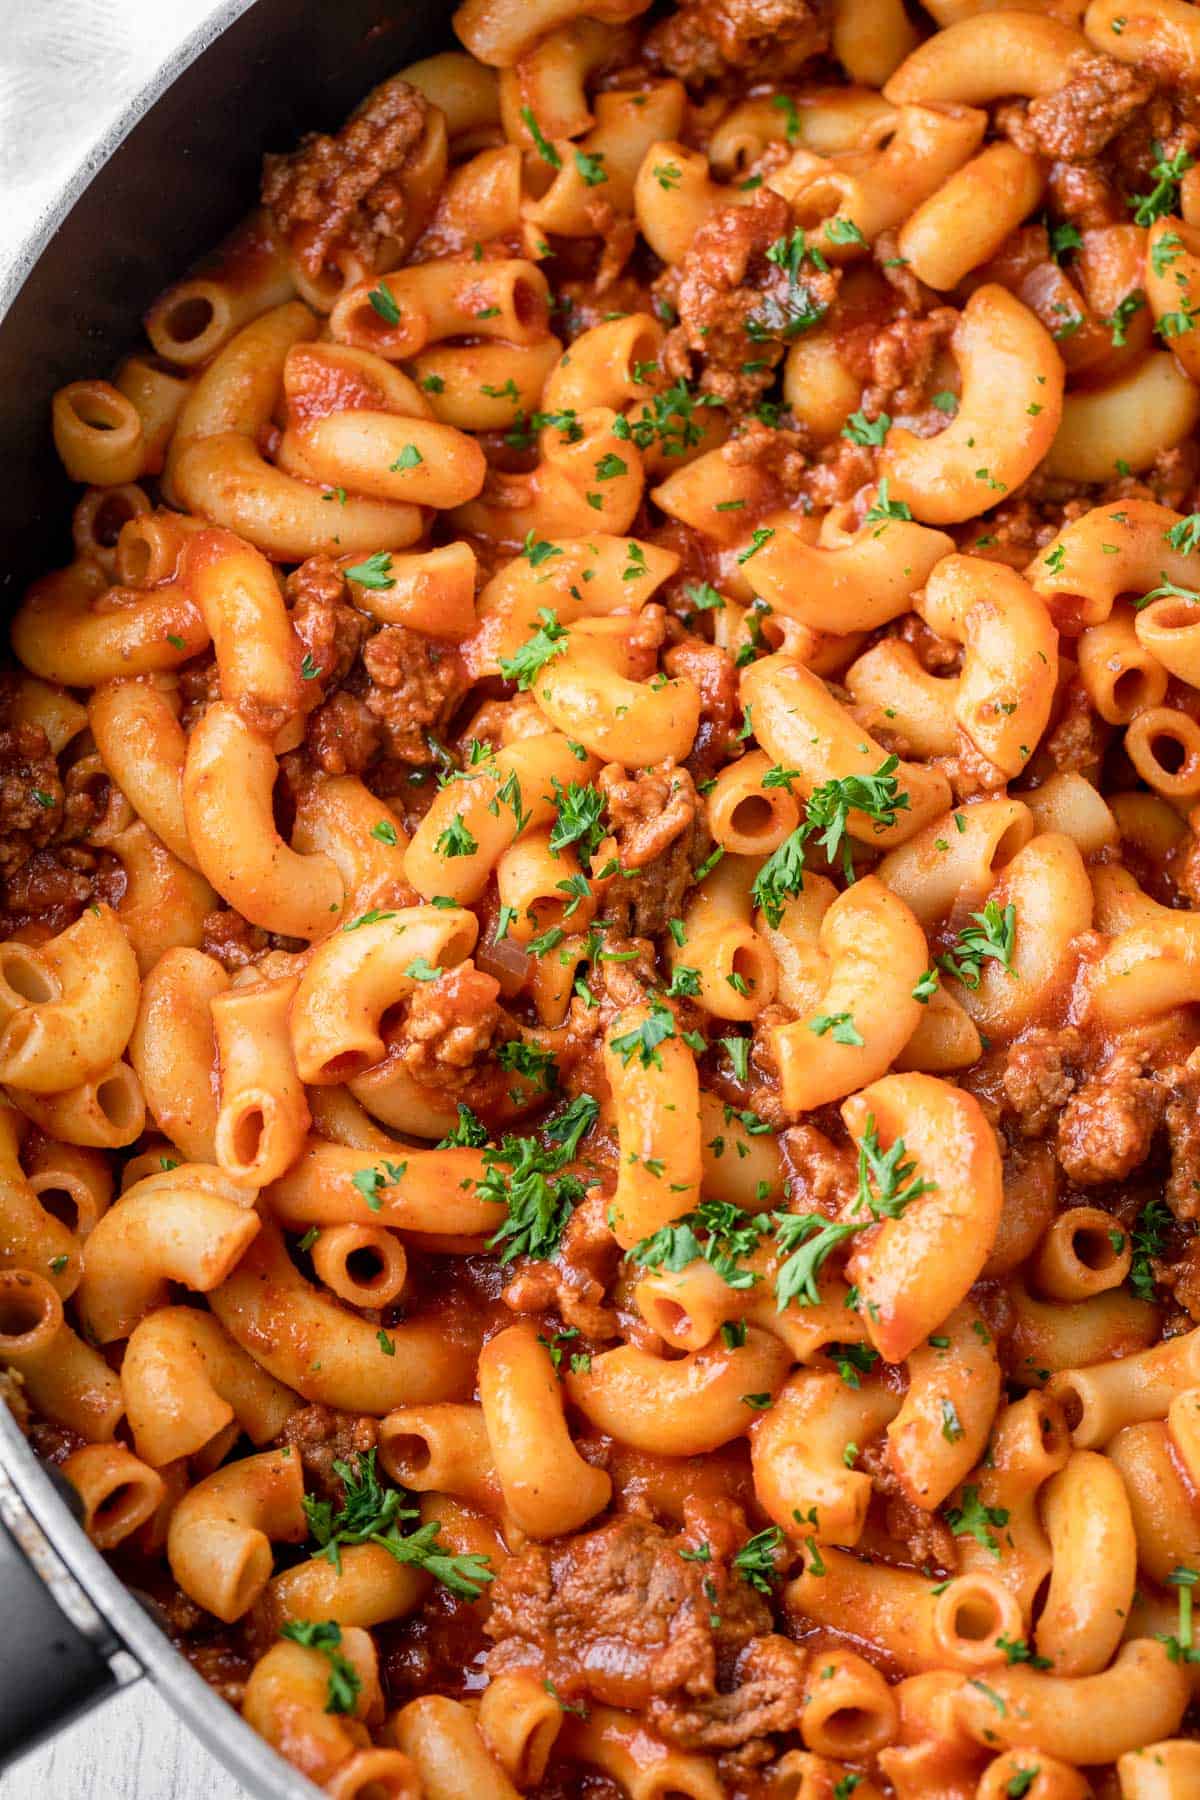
x=601, y=919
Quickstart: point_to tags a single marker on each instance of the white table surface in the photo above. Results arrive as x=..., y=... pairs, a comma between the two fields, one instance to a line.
x=67, y=68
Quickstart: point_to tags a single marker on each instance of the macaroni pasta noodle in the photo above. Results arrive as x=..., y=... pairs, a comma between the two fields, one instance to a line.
x=600, y=918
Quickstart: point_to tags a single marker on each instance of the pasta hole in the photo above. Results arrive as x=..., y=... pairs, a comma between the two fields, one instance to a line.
x=1053, y=1435
x=848, y=1726
x=189, y=318
x=115, y=1098
x=528, y=303
x=747, y=968
x=25, y=979
x=62, y=1205
x=753, y=816
x=124, y=1495
x=1168, y=752
x=671, y=1317
x=99, y=412
x=1129, y=693
x=113, y=512
x=1093, y=1247
x=1013, y=838
x=248, y=1133
x=409, y=1455
x=974, y=1619
x=21, y=1310
x=365, y=1266
x=343, y=1067
x=1072, y=1405
x=135, y=559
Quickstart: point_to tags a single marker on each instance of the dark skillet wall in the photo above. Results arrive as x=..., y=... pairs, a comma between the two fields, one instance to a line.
x=177, y=183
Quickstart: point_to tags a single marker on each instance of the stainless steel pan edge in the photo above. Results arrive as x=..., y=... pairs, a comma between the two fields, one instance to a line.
x=132, y=1643
x=155, y=192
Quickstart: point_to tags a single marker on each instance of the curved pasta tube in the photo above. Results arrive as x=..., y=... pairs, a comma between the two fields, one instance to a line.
x=442, y=1449
x=798, y=1453
x=552, y=78
x=876, y=189
x=1123, y=1390
x=368, y=1589
x=941, y=1430
x=191, y=320
x=257, y=652
x=165, y=901
x=800, y=725
x=581, y=578
x=239, y=849
x=669, y=218
x=188, y=1224
x=592, y=476
x=285, y=1701
x=555, y=1491
x=520, y=1721
x=67, y=1380
x=1010, y=662
x=105, y=1112
x=329, y=1355
x=72, y=628
x=875, y=953
x=971, y=215
x=987, y=57
x=680, y=1407
x=627, y=126
x=1046, y=885
x=945, y=1039
x=732, y=960
x=443, y=1740
x=1094, y=1563
x=631, y=722
x=1161, y=1771
x=184, y=1381
x=656, y=1102
x=1012, y=401
x=263, y=1117
x=1083, y=1718
x=30, y=1236
x=644, y=1766
x=143, y=745
x=1173, y=283
x=1143, y=411
x=1078, y=1257
x=354, y=977
x=920, y=1628
x=215, y=468
x=1163, y=34
x=515, y=788
x=85, y=1021
x=173, y=1050
x=432, y=591
x=119, y=1493
x=220, y=1534
x=342, y=819
x=746, y=818
x=433, y=1192
x=849, y=580
x=1122, y=548
x=917, y=1268
x=957, y=858
x=507, y=299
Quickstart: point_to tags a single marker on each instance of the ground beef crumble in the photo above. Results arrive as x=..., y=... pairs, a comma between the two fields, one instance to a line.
x=662, y=838
x=774, y=38
x=348, y=192
x=415, y=684
x=618, y=1616
x=450, y=1027
x=726, y=288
